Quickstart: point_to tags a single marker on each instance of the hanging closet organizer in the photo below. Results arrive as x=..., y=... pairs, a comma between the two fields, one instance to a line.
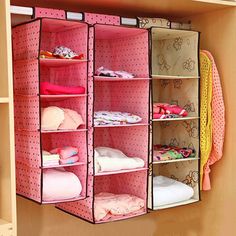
x=29, y=70
x=174, y=79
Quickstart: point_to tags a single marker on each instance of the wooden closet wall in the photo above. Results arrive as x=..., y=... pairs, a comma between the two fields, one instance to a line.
x=216, y=213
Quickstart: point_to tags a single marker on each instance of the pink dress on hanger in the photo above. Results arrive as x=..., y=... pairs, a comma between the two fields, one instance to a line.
x=218, y=124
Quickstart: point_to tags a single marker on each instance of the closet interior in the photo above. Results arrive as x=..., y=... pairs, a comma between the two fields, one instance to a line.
x=103, y=42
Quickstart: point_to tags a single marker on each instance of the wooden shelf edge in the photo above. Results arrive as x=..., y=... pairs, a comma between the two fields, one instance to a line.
x=4, y=100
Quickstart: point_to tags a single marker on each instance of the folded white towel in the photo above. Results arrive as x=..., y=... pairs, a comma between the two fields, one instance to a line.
x=109, y=159
x=169, y=191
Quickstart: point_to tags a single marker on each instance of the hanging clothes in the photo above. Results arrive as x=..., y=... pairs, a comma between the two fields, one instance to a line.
x=218, y=123
x=205, y=111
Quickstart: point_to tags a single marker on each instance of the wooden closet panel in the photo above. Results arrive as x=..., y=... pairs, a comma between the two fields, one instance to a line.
x=7, y=166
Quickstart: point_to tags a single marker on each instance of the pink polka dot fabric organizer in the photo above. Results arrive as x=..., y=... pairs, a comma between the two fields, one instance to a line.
x=30, y=69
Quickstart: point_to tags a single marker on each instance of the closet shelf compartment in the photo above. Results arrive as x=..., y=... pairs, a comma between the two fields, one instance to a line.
x=167, y=77
x=66, y=165
x=176, y=119
x=177, y=160
x=120, y=171
x=65, y=200
x=60, y=62
x=113, y=79
x=126, y=125
x=52, y=98
x=192, y=200
x=63, y=131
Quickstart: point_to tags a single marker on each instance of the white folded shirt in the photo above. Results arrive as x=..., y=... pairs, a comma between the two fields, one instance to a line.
x=109, y=159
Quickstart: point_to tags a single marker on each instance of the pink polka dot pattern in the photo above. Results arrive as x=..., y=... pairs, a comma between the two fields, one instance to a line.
x=28, y=73
x=25, y=40
x=133, y=96
x=51, y=13
x=93, y=18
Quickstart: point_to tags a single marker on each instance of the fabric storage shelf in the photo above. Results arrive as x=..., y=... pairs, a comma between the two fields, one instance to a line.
x=174, y=52
x=173, y=194
x=177, y=160
x=183, y=93
x=104, y=79
x=117, y=48
x=33, y=176
x=174, y=77
x=59, y=62
x=176, y=119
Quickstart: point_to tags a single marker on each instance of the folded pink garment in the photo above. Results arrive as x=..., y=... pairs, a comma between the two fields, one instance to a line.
x=65, y=152
x=47, y=88
x=115, y=204
x=72, y=120
x=165, y=108
x=54, y=118
x=60, y=185
x=69, y=160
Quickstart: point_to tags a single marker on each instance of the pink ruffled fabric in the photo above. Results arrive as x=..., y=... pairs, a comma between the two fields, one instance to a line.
x=160, y=110
x=108, y=204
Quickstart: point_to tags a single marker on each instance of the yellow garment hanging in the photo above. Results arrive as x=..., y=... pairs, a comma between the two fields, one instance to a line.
x=205, y=111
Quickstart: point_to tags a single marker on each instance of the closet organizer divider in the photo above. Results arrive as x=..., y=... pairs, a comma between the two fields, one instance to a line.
x=175, y=80
x=118, y=48
x=31, y=139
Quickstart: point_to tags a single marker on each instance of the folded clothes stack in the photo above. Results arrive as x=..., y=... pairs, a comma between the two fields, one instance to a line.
x=61, y=52
x=115, y=118
x=47, y=88
x=102, y=71
x=165, y=152
x=165, y=110
x=67, y=155
x=56, y=118
x=107, y=205
x=50, y=159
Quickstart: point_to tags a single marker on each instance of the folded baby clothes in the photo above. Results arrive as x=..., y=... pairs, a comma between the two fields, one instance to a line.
x=61, y=52
x=72, y=120
x=51, y=118
x=110, y=159
x=165, y=110
x=59, y=184
x=69, y=160
x=165, y=152
x=50, y=159
x=68, y=155
x=47, y=88
x=115, y=118
x=170, y=191
x=55, y=118
x=107, y=205
x=102, y=71
x=65, y=152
